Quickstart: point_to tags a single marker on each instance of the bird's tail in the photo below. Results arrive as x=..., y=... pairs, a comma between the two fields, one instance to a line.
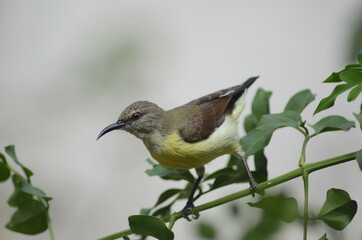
x=240, y=90
x=239, y=98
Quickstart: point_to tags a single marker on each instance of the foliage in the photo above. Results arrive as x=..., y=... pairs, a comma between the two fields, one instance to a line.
x=32, y=214
x=350, y=79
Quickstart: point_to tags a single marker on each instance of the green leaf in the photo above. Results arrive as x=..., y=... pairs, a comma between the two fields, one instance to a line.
x=229, y=174
x=206, y=230
x=260, y=105
x=167, y=194
x=280, y=207
x=18, y=196
x=163, y=212
x=150, y=226
x=233, y=176
x=332, y=123
x=250, y=123
x=324, y=237
x=30, y=218
x=17, y=178
x=354, y=93
x=256, y=140
x=4, y=172
x=299, y=101
x=351, y=76
x=338, y=210
x=359, y=159
x=170, y=173
x=10, y=150
x=220, y=172
x=277, y=120
x=333, y=78
x=328, y=102
x=261, y=172
x=259, y=137
x=24, y=186
x=353, y=66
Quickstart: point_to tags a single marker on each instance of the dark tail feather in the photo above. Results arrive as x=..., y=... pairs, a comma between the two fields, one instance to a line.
x=237, y=94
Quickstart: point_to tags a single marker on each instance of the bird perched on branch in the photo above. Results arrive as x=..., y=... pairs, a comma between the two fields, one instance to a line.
x=191, y=135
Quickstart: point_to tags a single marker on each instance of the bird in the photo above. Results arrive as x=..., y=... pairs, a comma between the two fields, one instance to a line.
x=191, y=135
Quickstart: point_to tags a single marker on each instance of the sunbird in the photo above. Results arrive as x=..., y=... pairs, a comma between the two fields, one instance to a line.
x=191, y=135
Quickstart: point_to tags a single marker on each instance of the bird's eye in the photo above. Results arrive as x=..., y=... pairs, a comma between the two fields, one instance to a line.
x=136, y=116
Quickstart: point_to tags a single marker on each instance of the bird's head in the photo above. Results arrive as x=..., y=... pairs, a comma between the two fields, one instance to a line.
x=140, y=118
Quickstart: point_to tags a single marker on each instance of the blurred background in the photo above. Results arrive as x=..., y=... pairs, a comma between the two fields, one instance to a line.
x=68, y=68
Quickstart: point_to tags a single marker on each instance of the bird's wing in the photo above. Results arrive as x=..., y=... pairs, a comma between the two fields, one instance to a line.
x=203, y=119
x=208, y=112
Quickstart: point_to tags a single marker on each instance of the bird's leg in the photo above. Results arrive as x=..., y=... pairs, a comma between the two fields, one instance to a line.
x=253, y=185
x=188, y=209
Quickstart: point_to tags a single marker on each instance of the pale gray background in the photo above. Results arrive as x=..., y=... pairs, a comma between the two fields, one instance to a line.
x=68, y=68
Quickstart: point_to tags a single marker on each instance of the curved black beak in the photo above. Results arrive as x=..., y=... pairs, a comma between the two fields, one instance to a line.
x=113, y=126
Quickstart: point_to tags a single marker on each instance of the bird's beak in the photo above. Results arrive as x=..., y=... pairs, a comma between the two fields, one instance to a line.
x=113, y=126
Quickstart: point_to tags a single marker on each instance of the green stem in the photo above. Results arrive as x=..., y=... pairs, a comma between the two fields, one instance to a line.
x=50, y=227
x=49, y=221
x=305, y=177
x=311, y=167
x=306, y=215
x=302, y=159
x=117, y=235
x=302, y=155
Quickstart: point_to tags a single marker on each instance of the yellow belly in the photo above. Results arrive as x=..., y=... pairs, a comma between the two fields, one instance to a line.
x=173, y=152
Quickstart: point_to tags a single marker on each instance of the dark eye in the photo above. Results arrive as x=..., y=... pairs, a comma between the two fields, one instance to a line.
x=136, y=116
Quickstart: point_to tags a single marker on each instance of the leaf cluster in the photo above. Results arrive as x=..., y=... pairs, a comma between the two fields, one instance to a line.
x=336, y=212
x=349, y=78
x=32, y=204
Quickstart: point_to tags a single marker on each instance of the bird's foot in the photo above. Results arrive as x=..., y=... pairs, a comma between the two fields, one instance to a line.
x=254, y=188
x=189, y=210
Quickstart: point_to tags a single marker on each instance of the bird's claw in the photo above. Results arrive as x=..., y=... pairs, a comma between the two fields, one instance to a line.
x=254, y=188
x=189, y=210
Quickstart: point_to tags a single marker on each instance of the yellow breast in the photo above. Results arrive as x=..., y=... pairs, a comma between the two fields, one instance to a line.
x=171, y=151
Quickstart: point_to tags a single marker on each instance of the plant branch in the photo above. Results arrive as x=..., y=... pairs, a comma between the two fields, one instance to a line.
x=117, y=235
x=309, y=168
x=306, y=204
x=50, y=227
x=305, y=177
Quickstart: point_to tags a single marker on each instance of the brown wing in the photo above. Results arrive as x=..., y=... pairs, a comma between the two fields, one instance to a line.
x=206, y=114
x=203, y=120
